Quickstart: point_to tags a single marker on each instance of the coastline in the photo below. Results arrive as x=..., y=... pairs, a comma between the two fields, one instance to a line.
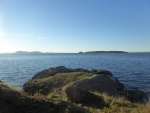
x=69, y=87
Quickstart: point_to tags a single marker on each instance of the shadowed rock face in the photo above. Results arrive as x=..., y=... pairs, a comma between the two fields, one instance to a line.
x=102, y=84
x=85, y=97
x=80, y=91
x=98, y=83
x=136, y=96
x=14, y=101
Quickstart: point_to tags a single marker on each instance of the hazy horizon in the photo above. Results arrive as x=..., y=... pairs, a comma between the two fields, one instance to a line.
x=71, y=52
x=67, y=26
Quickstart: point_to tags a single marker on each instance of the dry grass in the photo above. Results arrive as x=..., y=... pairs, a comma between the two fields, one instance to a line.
x=118, y=105
x=142, y=108
x=113, y=104
x=56, y=82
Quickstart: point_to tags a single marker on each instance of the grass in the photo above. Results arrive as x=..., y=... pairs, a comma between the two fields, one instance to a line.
x=56, y=82
x=114, y=105
x=118, y=105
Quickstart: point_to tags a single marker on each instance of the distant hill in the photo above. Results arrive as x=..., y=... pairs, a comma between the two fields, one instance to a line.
x=38, y=52
x=26, y=52
x=106, y=52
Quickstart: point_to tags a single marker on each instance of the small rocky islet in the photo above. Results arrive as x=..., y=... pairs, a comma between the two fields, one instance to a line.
x=66, y=90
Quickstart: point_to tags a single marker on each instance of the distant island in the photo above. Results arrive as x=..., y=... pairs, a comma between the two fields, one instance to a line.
x=35, y=52
x=26, y=52
x=104, y=52
x=38, y=52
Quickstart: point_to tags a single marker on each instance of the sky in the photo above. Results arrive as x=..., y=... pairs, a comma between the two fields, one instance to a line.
x=74, y=25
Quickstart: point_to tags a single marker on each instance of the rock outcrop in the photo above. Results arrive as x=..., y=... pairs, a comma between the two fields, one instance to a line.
x=84, y=97
x=61, y=69
x=136, y=96
x=60, y=86
x=99, y=83
x=78, y=92
x=76, y=83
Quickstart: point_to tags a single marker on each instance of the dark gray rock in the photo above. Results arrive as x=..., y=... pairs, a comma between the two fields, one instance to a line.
x=98, y=83
x=136, y=96
x=77, y=95
x=50, y=72
x=98, y=71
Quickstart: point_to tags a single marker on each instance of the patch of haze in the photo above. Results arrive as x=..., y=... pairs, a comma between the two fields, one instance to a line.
x=6, y=45
x=32, y=36
x=26, y=36
x=3, y=45
x=42, y=38
x=2, y=33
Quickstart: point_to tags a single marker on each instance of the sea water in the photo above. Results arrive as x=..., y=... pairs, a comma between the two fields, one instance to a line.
x=132, y=69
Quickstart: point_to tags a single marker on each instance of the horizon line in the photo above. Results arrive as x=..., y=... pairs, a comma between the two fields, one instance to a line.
x=42, y=52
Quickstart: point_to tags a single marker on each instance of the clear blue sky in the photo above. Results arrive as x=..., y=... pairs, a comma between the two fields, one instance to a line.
x=74, y=25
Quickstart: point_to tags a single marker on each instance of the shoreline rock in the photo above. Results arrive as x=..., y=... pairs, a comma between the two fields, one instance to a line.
x=59, y=88
x=62, y=69
x=101, y=81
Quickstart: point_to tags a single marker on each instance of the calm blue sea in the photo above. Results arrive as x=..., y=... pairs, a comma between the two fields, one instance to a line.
x=132, y=69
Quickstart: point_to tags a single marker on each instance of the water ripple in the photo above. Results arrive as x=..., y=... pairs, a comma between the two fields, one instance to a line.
x=131, y=69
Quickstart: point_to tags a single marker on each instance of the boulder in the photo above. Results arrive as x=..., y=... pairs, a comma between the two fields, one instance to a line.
x=77, y=95
x=136, y=96
x=80, y=91
x=98, y=71
x=50, y=72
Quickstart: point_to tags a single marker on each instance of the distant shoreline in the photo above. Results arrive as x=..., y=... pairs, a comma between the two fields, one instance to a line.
x=38, y=52
x=104, y=52
x=88, y=52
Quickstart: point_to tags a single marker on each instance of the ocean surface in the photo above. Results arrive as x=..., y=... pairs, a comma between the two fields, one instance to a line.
x=132, y=69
